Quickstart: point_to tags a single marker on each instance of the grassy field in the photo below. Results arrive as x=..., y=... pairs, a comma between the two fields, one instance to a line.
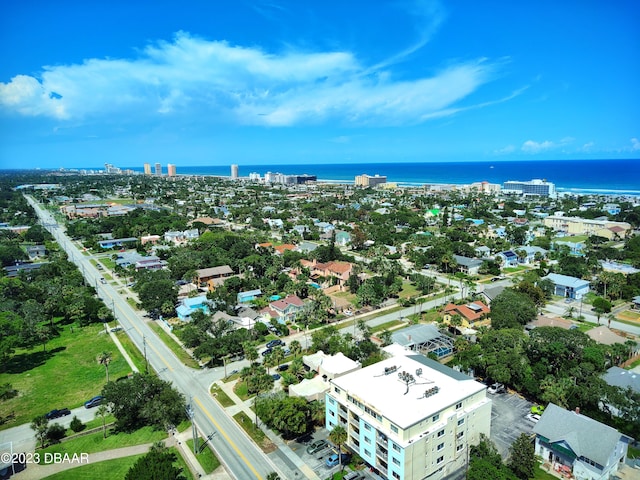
x=386, y=326
x=574, y=239
x=115, y=469
x=408, y=290
x=179, y=352
x=241, y=390
x=66, y=375
x=205, y=457
x=94, y=442
x=540, y=474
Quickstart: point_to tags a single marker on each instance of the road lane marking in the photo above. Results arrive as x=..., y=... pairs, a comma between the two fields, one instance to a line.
x=224, y=434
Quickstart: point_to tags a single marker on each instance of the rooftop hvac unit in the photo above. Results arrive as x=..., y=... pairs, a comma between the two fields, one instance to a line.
x=388, y=370
x=418, y=372
x=431, y=391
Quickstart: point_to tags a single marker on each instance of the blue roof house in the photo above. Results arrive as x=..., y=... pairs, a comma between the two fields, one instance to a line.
x=244, y=297
x=568, y=287
x=509, y=258
x=190, y=305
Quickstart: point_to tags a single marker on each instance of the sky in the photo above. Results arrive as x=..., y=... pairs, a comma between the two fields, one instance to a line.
x=304, y=82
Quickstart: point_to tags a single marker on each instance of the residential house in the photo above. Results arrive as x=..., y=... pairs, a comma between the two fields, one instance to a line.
x=409, y=417
x=117, y=242
x=36, y=251
x=568, y=287
x=150, y=263
x=178, y=238
x=190, y=305
x=14, y=270
x=472, y=315
x=531, y=253
x=280, y=249
x=306, y=247
x=152, y=239
x=342, y=238
x=339, y=272
x=215, y=275
x=469, y=266
x=482, y=251
x=286, y=308
x=330, y=366
x=248, y=296
x=425, y=339
x=573, y=444
x=636, y=302
x=509, y=258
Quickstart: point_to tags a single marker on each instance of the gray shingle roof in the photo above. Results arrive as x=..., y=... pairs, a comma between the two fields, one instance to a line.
x=585, y=436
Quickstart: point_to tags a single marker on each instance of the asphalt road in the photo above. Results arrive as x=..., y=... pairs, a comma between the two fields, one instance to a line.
x=242, y=458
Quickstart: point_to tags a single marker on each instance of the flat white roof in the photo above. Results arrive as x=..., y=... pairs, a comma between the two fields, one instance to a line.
x=406, y=405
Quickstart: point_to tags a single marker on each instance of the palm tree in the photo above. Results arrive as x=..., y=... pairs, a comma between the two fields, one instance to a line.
x=278, y=355
x=250, y=352
x=296, y=348
x=102, y=412
x=338, y=436
x=105, y=359
x=273, y=476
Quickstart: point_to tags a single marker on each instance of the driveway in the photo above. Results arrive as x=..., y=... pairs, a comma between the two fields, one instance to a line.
x=508, y=420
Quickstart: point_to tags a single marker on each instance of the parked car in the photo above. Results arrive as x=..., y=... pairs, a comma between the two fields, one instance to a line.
x=94, y=402
x=354, y=476
x=283, y=368
x=102, y=280
x=57, y=413
x=116, y=329
x=496, y=388
x=276, y=376
x=275, y=343
x=533, y=417
x=267, y=352
x=332, y=461
x=316, y=446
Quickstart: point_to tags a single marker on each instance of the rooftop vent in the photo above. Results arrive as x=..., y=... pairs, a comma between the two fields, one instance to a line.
x=431, y=391
x=418, y=372
x=388, y=370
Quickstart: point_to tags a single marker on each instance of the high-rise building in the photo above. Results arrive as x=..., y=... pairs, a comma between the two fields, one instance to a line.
x=171, y=170
x=532, y=187
x=369, y=181
x=234, y=172
x=409, y=417
x=158, y=169
x=147, y=169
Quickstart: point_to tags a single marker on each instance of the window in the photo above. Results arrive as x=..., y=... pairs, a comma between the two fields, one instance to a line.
x=367, y=440
x=336, y=389
x=459, y=447
x=396, y=461
x=460, y=435
x=332, y=401
x=441, y=433
x=395, y=475
x=367, y=426
x=458, y=406
x=367, y=452
x=395, y=447
x=440, y=459
x=333, y=414
x=436, y=417
x=441, y=446
x=461, y=421
x=394, y=429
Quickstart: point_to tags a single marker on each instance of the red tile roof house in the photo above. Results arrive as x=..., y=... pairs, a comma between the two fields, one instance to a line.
x=285, y=308
x=340, y=270
x=473, y=314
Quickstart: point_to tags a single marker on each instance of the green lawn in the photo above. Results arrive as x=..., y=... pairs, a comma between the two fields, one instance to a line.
x=241, y=391
x=206, y=457
x=182, y=464
x=574, y=239
x=94, y=442
x=135, y=354
x=222, y=398
x=386, y=326
x=177, y=349
x=66, y=375
x=540, y=474
x=108, y=470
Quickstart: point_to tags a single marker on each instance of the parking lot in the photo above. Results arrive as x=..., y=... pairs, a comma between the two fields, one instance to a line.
x=508, y=420
x=317, y=461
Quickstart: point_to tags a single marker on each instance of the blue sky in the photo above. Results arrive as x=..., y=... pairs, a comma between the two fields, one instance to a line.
x=295, y=82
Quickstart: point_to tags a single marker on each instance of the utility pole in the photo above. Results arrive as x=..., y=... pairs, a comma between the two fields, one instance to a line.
x=194, y=431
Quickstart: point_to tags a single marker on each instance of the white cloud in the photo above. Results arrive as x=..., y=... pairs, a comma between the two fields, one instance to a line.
x=505, y=150
x=635, y=144
x=531, y=146
x=244, y=85
x=587, y=147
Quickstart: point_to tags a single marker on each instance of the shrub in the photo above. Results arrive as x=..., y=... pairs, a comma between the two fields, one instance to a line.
x=77, y=425
x=55, y=433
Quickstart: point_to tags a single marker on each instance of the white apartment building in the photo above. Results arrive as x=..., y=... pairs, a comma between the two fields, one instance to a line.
x=409, y=417
x=585, y=226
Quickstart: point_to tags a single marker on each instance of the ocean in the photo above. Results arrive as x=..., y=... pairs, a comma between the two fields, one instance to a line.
x=589, y=176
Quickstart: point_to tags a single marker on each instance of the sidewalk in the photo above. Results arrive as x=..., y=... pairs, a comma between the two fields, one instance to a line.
x=124, y=353
x=241, y=405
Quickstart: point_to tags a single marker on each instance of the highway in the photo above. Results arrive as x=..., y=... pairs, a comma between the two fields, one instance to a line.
x=240, y=456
